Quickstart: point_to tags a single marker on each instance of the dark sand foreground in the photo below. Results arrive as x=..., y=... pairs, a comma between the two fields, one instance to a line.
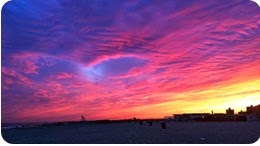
x=132, y=132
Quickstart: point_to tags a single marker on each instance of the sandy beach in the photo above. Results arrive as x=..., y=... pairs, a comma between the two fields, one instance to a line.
x=133, y=132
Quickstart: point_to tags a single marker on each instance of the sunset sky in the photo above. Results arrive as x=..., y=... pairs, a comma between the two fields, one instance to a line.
x=122, y=59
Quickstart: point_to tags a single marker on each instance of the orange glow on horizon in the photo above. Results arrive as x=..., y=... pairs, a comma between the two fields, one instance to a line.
x=237, y=96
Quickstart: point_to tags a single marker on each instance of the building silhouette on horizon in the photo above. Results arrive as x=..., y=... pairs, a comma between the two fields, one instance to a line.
x=252, y=113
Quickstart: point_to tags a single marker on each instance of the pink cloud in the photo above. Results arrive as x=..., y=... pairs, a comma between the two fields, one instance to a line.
x=11, y=75
x=64, y=75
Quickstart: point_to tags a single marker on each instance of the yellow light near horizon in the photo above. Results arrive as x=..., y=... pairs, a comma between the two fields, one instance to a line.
x=249, y=100
x=237, y=96
x=241, y=103
x=218, y=98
